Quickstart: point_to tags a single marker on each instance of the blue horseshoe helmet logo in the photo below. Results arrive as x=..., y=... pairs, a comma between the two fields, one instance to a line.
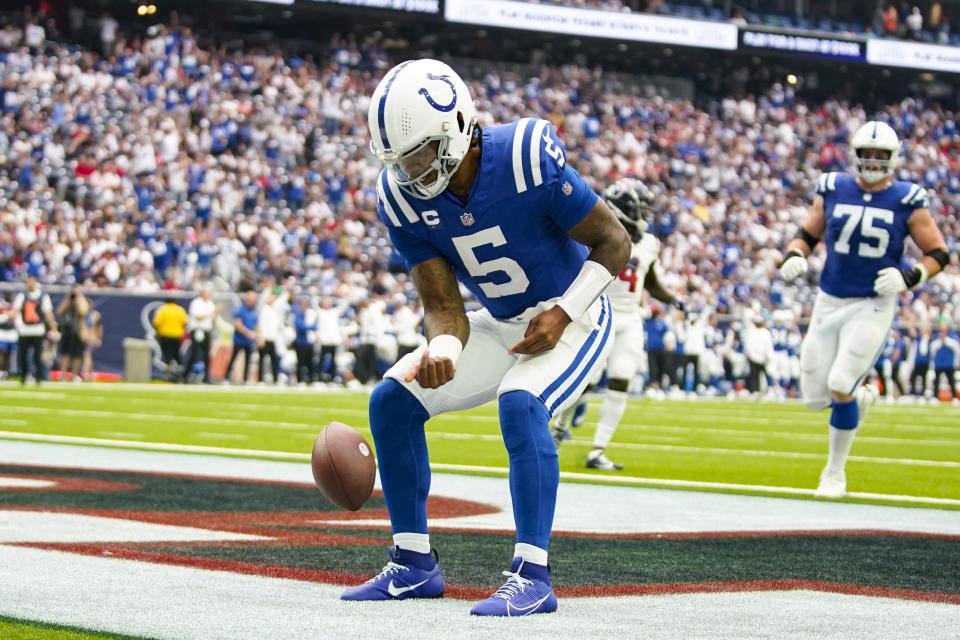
x=433, y=103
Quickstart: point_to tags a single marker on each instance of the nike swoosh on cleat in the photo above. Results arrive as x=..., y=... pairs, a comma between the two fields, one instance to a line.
x=397, y=591
x=525, y=610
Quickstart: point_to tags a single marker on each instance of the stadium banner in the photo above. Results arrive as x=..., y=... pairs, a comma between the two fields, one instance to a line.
x=410, y=6
x=852, y=49
x=914, y=55
x=639, y=27
x=273, y=1
x=123, y=314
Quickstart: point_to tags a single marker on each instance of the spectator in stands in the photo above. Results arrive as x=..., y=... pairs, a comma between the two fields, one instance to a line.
x=8, y=334
x=202, y=314
x=245, y=319
x=270, y=332
x=920, y=361
x=170, y=323
x=330, y=336
x=902, y=14
x=305, y=324
x=34, y=320
x=72, y=314
x=93, y=340
x=758, y=348
x=914, y=23
x=34, y=36
x=406, y=321
x=878, y=22
x=108, y=33
x=945, y=353
x=658, y=358
x=891, y=20
x=372, y=328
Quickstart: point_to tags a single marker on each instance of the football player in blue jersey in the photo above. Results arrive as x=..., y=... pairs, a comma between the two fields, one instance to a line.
x=500, y=210
x=864, y=220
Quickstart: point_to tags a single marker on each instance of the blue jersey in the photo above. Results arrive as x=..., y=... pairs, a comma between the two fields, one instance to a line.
x=865, y=231
x=248, y=317
x=508, y=242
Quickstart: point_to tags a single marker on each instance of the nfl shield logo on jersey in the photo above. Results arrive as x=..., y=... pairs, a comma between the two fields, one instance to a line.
x=567, y=188
x=466, y=218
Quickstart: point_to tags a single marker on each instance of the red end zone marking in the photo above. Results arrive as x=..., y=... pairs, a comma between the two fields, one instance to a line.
x=61, y=483
x=479, y=593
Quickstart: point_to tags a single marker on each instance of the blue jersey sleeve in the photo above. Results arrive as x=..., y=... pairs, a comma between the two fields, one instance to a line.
x=916, y=197
x=572, y=198
x=412, y=249
x=826, y=183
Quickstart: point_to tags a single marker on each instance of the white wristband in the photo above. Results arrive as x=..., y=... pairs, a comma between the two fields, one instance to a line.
x=445, y=346
x=923, y=273
x=585, y=288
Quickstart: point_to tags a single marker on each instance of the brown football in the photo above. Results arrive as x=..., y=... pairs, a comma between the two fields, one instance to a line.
x=343, y=466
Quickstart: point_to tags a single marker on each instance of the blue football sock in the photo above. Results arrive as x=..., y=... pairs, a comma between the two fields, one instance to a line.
x=845, y=415
x=531, y=570
x=396, y=422
x=534, y=465
x=422, y=561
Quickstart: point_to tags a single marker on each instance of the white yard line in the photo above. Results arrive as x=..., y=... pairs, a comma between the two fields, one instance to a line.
x=222, y=436
x=127, y=415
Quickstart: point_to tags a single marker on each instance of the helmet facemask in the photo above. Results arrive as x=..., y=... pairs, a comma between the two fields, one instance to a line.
x=873, y=169
x=425, y=171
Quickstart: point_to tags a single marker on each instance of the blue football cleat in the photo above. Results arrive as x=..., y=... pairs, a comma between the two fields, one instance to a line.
x=400, y=579
x=526, y=591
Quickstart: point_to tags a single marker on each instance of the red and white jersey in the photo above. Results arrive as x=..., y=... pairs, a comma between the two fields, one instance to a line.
x=626, y=290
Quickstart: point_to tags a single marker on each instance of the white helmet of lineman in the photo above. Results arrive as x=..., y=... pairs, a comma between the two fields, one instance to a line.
x=875, y=135
x=421, y=121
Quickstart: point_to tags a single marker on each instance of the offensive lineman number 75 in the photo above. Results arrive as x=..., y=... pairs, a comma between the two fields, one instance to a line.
x=864, y=217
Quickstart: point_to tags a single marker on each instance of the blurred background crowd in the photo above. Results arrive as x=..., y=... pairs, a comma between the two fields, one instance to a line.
x=159, y=157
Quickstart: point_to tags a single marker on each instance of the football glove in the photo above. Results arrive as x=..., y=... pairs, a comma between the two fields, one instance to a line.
x=794, y=266
x=892, y=281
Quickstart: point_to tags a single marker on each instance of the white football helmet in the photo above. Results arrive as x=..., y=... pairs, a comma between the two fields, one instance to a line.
x=874, y=135
x=421, y=121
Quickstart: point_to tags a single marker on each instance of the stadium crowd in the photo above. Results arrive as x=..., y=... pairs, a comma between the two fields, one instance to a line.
x=166, y=165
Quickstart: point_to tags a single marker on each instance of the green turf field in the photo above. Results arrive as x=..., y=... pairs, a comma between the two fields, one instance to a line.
x=901, y=454
x=11, y=629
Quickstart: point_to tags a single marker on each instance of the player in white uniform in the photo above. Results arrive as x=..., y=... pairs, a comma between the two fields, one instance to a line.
x=864, y=220
x=630, y=200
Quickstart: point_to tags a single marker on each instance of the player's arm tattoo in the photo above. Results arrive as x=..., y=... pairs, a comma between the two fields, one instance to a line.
x=651, y=282
x=442, y=303
x=608, y=241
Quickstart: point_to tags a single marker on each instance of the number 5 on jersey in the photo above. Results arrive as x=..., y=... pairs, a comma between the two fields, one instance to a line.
x=465, y=245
